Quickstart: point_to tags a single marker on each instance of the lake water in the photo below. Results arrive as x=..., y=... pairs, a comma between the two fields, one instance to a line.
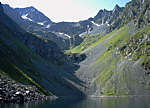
x=123, y=102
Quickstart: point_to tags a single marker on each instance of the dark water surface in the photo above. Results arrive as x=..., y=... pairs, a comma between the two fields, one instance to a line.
x=122, y=102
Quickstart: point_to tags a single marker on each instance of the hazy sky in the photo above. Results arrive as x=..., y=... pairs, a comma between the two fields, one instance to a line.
x=67, y=10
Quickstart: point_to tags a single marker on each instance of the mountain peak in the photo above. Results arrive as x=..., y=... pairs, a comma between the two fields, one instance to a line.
x=27, y=9
x=102, y=11
x=117, y=8
x=33, y=14
x=31, y=8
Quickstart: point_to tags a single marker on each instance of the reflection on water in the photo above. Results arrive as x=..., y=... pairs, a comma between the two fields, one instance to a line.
x=123, y=102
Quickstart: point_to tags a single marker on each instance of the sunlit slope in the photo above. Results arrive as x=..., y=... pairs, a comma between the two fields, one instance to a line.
x=107, y=71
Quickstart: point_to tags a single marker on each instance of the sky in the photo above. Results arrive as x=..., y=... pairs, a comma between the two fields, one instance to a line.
x=67, y=10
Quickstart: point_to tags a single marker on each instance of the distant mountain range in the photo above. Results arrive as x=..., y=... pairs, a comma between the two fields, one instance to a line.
x=66, y=33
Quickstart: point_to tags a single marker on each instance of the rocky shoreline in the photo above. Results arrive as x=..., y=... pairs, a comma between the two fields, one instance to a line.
x=13, y=92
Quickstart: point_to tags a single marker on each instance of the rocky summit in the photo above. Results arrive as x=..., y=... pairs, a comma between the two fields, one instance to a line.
x=105, y=55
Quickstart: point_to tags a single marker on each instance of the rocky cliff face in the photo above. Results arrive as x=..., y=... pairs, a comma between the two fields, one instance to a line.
x=46, y=49
x=33, y=15
x=137, y=10
x=105, y=16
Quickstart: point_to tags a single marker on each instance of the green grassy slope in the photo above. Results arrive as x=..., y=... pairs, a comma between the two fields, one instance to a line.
x=109, y=59
x=112, y=72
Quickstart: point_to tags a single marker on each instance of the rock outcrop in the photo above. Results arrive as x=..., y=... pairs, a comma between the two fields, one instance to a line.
x=13, y=92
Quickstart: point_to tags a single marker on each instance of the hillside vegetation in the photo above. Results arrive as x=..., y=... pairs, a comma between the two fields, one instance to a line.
x=122, y=66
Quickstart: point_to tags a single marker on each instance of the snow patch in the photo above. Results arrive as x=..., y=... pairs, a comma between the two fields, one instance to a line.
x=41, y=23
x=61, y=33
x=25, y=17
x=100, y=24
x=95, y=23
x=48, y=26
x=27, y=92
x=17, y=93
x=65, y=34
x=68, y=36
x=107, y=23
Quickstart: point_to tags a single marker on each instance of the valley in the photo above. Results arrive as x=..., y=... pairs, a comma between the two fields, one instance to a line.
x=107, y=55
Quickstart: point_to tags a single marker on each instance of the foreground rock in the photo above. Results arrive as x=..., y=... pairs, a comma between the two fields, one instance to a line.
x=12, y=92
